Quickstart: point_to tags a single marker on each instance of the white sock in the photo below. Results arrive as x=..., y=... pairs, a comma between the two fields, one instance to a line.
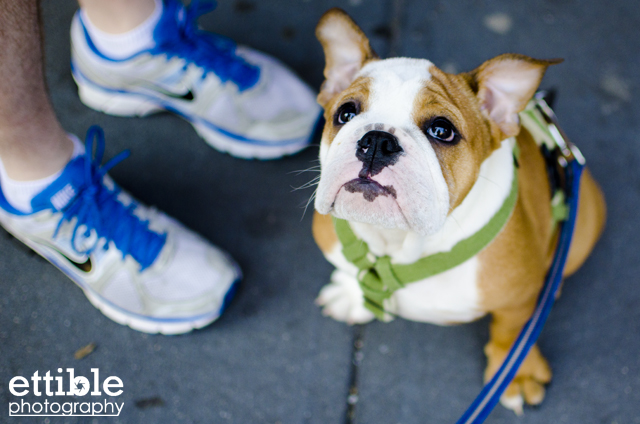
x=20, y=193
x=121, y=46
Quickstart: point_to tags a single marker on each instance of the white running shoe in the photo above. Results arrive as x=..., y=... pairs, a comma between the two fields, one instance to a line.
x=138, y=266
x=239, y=100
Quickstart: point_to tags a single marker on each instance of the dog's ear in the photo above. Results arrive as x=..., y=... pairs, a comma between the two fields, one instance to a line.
x=504, y=85
x=346, y=50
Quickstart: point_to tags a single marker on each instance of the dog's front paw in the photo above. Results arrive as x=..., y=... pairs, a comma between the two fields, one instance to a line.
x=528, y=384
x=342, y=300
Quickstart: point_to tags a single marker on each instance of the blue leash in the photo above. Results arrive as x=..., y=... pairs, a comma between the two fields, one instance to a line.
x=572, y=161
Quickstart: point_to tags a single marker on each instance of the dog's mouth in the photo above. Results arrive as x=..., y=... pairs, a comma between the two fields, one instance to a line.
x=369, y=188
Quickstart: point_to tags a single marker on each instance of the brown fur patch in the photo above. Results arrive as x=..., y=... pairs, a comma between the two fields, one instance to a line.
x=589, y=223
x=323, y=232
x=449, y=96
x=514, y=264
x=358, y=92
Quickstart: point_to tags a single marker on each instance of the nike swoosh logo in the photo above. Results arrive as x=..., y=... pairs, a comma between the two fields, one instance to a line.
x=187, y=96
x=82, y=266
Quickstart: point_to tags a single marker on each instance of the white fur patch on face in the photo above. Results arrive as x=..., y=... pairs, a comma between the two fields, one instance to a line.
x=413, y=194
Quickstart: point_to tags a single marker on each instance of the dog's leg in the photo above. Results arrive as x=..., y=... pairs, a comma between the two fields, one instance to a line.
x=343, y=300
x=533, y=374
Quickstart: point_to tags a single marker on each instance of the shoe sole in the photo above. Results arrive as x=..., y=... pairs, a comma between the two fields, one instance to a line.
x=126, y=104
x=138, y=322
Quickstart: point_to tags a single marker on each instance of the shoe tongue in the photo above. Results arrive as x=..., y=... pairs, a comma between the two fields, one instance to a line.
x=64, y=189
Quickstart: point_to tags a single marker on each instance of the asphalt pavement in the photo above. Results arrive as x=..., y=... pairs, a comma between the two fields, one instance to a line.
x=272, y=357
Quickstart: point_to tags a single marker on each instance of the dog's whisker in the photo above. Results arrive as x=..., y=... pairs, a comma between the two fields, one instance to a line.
x=314, y=179
x=302, y=171
x=308, y=185
x=313, y=196
x=311, y=183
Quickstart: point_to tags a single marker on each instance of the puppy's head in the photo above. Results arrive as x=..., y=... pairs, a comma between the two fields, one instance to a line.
x=403, y=140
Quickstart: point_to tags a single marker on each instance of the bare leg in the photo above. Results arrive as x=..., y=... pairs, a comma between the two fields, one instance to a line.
x=117, y=16
x=33, y=145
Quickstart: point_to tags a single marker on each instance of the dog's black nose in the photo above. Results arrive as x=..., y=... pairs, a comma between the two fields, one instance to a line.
x=377, y=149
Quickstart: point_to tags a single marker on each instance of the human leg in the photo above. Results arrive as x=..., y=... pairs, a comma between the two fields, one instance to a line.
x=33, y=145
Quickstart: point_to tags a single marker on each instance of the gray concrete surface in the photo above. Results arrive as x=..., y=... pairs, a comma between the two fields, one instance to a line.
x=272, y=357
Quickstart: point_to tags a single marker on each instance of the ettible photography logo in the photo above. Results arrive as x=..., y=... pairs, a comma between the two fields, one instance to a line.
x=75, y=404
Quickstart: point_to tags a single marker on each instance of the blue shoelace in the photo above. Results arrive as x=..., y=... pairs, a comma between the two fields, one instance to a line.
x=177, y=34
x=97, y=208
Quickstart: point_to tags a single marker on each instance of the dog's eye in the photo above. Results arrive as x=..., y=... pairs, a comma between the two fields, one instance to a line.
x=346, y=113
x=440, y=129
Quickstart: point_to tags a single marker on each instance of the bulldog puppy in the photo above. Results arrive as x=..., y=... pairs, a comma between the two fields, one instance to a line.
x=415, y=160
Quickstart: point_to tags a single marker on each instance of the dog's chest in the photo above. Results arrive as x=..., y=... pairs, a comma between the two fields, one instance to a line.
x=447, y=298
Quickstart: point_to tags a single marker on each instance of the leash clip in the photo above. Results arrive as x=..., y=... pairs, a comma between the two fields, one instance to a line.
x=568, y=150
